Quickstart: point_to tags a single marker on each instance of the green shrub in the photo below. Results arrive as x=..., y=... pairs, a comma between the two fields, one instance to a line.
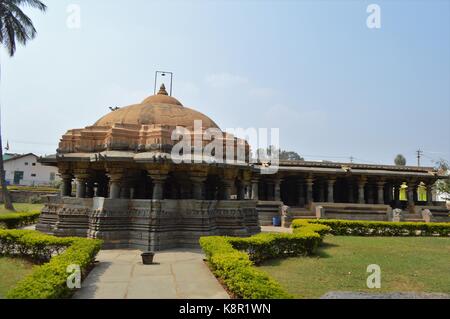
x=49, y=280
x=236, y=271
x=232, y=259
x=369, y=228
x=16, y=220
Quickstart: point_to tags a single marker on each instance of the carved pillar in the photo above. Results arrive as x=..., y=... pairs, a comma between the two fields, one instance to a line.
x=301, y=193
x=255, y=189
x=361, y=184
x=397, y=188
x=351, y=192
x=115, y=180
x=309, y=189
x=228, y=186
x=430, y=193
x=66, y=185
x=277, y=189
x=380, y=187
x=412, y=187
x=90, y=189
x=158, y=179
x=321, y=186
x=331, y=183
x=81, y=177
x=198, y=181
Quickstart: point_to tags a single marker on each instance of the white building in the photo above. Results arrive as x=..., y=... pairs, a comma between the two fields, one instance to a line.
x=25, y=170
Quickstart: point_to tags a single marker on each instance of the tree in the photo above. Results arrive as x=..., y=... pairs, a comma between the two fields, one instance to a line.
x=400, y=160
x=271, y=151
x=15, y=27
x=290, y=156
x=443, y=185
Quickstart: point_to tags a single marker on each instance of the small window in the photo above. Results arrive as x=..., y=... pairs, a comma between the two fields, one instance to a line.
x=26, y=163
x=33, y=175
x=34, y=164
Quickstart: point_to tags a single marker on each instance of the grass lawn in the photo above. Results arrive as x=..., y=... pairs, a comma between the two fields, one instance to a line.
x=22, y=208
x=419, y=264
x=11, y=271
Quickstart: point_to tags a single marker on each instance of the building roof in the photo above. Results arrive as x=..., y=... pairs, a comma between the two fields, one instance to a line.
x=12, y=157
x=157, y=109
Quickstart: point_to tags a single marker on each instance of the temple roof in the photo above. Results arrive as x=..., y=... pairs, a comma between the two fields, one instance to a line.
x=159, y=109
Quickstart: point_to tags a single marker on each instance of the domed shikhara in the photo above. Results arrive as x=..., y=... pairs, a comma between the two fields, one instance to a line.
x=143, y=127
x=159, y=109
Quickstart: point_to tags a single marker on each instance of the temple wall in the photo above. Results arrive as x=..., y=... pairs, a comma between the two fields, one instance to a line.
x=148, y=224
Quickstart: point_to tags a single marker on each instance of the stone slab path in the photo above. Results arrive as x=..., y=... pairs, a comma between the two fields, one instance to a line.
x=179, y=273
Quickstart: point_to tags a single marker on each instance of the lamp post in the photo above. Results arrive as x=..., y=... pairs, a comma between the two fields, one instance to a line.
x=164, y=74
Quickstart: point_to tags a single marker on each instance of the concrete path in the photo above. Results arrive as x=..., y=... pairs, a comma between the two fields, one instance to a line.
x=179, y=273
x=273, y=229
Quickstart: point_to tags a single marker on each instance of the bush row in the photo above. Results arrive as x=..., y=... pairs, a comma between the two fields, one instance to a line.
x=233, y=259
x=16, y=220
x=48, y=281
x=369, y=228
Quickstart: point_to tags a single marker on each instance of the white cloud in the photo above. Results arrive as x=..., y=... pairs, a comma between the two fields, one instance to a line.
x=225, y=80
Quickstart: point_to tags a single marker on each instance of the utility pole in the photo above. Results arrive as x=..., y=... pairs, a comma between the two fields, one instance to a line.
x=351, y=159
x=419, y=155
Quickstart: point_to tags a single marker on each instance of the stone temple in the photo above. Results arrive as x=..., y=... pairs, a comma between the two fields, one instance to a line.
x=131, y=193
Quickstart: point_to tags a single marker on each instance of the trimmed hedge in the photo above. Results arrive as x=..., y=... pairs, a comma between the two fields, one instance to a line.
x=369, y=228
x=16, y=220
x=233, y=259
x=47, y=281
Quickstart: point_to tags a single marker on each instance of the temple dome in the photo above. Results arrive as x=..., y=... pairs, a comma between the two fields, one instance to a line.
x=159, y=109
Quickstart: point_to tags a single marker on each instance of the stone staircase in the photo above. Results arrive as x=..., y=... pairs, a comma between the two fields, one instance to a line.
x=267, y=210
x=296, y=213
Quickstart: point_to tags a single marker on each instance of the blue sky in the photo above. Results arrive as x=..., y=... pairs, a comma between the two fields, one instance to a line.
x=334, y=87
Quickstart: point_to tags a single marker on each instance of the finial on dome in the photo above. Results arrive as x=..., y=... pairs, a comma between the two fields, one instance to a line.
x=162, y=90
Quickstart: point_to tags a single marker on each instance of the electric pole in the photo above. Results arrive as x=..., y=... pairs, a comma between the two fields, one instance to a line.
x=419, y=155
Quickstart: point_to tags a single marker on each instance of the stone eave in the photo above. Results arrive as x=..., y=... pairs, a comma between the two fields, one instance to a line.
x=355, y=166
x=352, y=171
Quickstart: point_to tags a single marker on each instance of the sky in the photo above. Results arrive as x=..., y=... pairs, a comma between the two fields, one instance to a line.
x=314, y=69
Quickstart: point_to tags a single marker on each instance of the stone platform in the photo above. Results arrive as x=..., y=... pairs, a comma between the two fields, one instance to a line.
x=147, y=224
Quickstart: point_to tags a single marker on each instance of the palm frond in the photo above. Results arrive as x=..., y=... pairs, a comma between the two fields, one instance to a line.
x=15, y=25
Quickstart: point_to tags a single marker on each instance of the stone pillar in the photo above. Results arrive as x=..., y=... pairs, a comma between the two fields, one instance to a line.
x=309, y=190
x=81, y=177
x=66, y=185
x=115, y=180
x=412, y=187
x=301, y=193
x=158, y=179
x=198, y=181
x=397, y=188
x=255, y=189
x=321, y=187
x=351, y=192
x=361, y=184
x=90, y=189
x=228, y=186
x=331, y=183
x=429, y=194
x=380, y=187
x=277, y=189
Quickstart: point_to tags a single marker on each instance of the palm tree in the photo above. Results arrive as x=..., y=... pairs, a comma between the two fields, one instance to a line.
x=15, y=26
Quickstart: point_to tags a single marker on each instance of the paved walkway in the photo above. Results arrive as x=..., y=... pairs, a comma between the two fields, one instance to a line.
x=273, y=229
x=179, y=273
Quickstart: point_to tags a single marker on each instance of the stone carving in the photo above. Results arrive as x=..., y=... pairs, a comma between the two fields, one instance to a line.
x=396, y=215
x=427, y=215
x=148, y=224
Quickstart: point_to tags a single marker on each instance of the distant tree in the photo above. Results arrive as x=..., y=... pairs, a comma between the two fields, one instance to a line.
x=290, y=156
x=271, y=151
x=15, y=26
x=400, y=160
x=443, y=185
